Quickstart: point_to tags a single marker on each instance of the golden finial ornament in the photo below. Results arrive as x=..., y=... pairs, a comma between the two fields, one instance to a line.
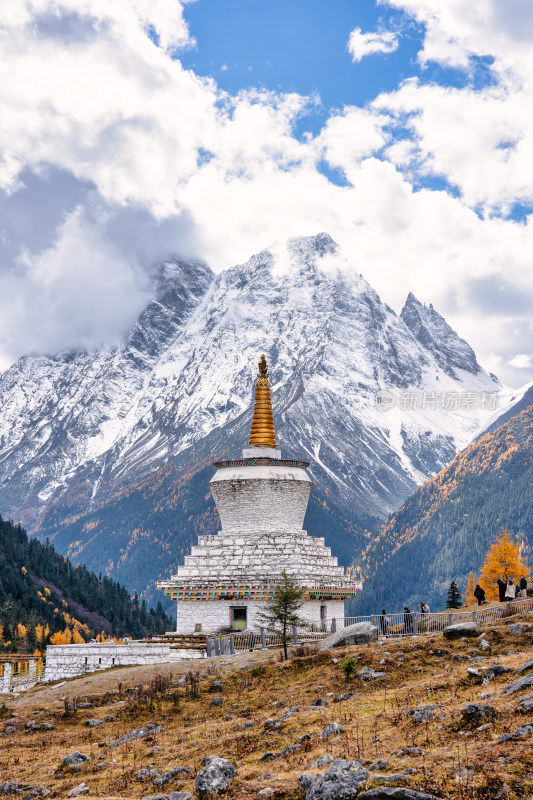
x=262, y=433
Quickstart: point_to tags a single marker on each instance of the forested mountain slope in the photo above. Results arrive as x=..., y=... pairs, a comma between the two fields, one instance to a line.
x=445, y=528
x=42, y=594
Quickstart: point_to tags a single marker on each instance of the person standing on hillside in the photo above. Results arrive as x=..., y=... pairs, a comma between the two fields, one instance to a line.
x=523, y=587
x=510, y=590
x=479, y=594
x=384, y=622
x=501, y=590
x=407, y=620
x=424, y=608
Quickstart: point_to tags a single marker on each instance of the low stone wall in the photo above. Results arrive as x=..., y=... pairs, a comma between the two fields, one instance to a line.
x=72, y=660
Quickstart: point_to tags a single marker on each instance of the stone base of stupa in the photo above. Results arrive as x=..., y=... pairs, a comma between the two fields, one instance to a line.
x=218, y=615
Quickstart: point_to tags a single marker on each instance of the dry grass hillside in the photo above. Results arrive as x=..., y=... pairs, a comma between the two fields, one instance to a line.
x=452, y=757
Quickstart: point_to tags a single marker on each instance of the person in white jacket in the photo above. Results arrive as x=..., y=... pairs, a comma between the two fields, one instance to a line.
x=510, y=590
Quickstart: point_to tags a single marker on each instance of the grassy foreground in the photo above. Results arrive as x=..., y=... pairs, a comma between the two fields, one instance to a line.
x=455, y=760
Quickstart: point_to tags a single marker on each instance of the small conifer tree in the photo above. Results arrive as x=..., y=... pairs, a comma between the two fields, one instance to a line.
x=282, y=609
x=454, y=596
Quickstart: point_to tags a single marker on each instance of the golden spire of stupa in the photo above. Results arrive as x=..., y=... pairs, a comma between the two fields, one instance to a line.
x=262, y=433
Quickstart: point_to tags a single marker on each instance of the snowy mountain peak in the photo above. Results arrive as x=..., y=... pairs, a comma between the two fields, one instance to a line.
x=437, y=337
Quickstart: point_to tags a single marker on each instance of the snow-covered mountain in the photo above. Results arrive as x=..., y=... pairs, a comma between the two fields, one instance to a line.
x=377, y=402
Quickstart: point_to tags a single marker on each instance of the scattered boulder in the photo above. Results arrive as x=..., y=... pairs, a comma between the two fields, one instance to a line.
x=484, y=645
x=93, y=723
x=217, y=686
x=369, y=674
x=518, y=628
x=493, y=671
x=84, y=705
x=139, y=733
x=267, y=792
x=10, y=788
x=522, y=683
x=147, y=774
x=461, y=629
x=477, y=713
x=332, y=730
x=411, y=751
x=341, y=781
x=379, y=764
x=288, y=751
x=46, y=726
x=156, y=797
x=320, y=702
x=520, y=733
x=526, y=703
x=217, y=701
x=360, y=633
x=273, y=724
x=340, y=698
x=215, y=776
x=40, y=791
x=322, y=761
x=78, y=790
x=9, y=730
x=31, y=725
x=423, y=713
x=166, y=777
x=180, y=796
x=75, y=759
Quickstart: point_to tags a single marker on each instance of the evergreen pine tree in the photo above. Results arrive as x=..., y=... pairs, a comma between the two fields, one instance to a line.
x=453, y=597
x=282, y=609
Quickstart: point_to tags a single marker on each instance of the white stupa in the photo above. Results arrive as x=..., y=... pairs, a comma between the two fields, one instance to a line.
x=261, y=500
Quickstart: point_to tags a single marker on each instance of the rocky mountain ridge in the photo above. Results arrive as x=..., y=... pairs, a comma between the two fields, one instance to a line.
x=79, y=430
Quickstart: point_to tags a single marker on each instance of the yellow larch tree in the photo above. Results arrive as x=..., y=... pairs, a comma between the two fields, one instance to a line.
x=503, y=561
x=20, y=633
x=470, y=585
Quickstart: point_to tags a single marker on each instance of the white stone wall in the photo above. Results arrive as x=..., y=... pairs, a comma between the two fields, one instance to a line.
x=271, y=498
x=214, y=615
x=70, y=660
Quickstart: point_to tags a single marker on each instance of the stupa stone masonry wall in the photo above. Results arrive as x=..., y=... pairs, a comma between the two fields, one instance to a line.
x=215, y=616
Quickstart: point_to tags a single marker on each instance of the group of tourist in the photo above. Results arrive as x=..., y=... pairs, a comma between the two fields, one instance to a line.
x=507, y=591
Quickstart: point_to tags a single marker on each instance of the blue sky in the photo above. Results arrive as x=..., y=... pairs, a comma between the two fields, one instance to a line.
x=211, y=129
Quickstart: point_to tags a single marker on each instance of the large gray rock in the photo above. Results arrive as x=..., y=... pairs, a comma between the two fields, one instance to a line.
x=334, y=729
x=369, y=674
x=138, y=733
x=476, y=712
x=75, y=759
x=395, y=793
x=360, y=633
x=526, y=703
x=522, y=683
x=215, y=776
x=423, y=713
x=518, y=628
x=170, y=775
x=461, y=629
x=341, y=781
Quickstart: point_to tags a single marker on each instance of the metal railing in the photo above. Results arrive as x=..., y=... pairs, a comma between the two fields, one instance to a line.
x=413, y=623
x=390, y=625
x=230, y=643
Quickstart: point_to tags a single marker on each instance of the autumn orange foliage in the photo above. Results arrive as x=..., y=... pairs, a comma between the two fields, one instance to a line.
x=468, y=592
x=503, y=561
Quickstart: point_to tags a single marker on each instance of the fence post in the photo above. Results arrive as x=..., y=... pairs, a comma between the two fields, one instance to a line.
x=231, y=645
x=32, y=669
x=294, y=635
x=473, y=616
x=263, y=640
x=333, y=625
x=415, y=624
x=217, y=646
x=373, y=618
x=449, y=617
x=7, y=677
x=208, y=647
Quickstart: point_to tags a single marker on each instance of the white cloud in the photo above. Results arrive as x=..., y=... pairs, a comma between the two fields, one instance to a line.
x=112, y=156
x=366, y=44
x=522, y=361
